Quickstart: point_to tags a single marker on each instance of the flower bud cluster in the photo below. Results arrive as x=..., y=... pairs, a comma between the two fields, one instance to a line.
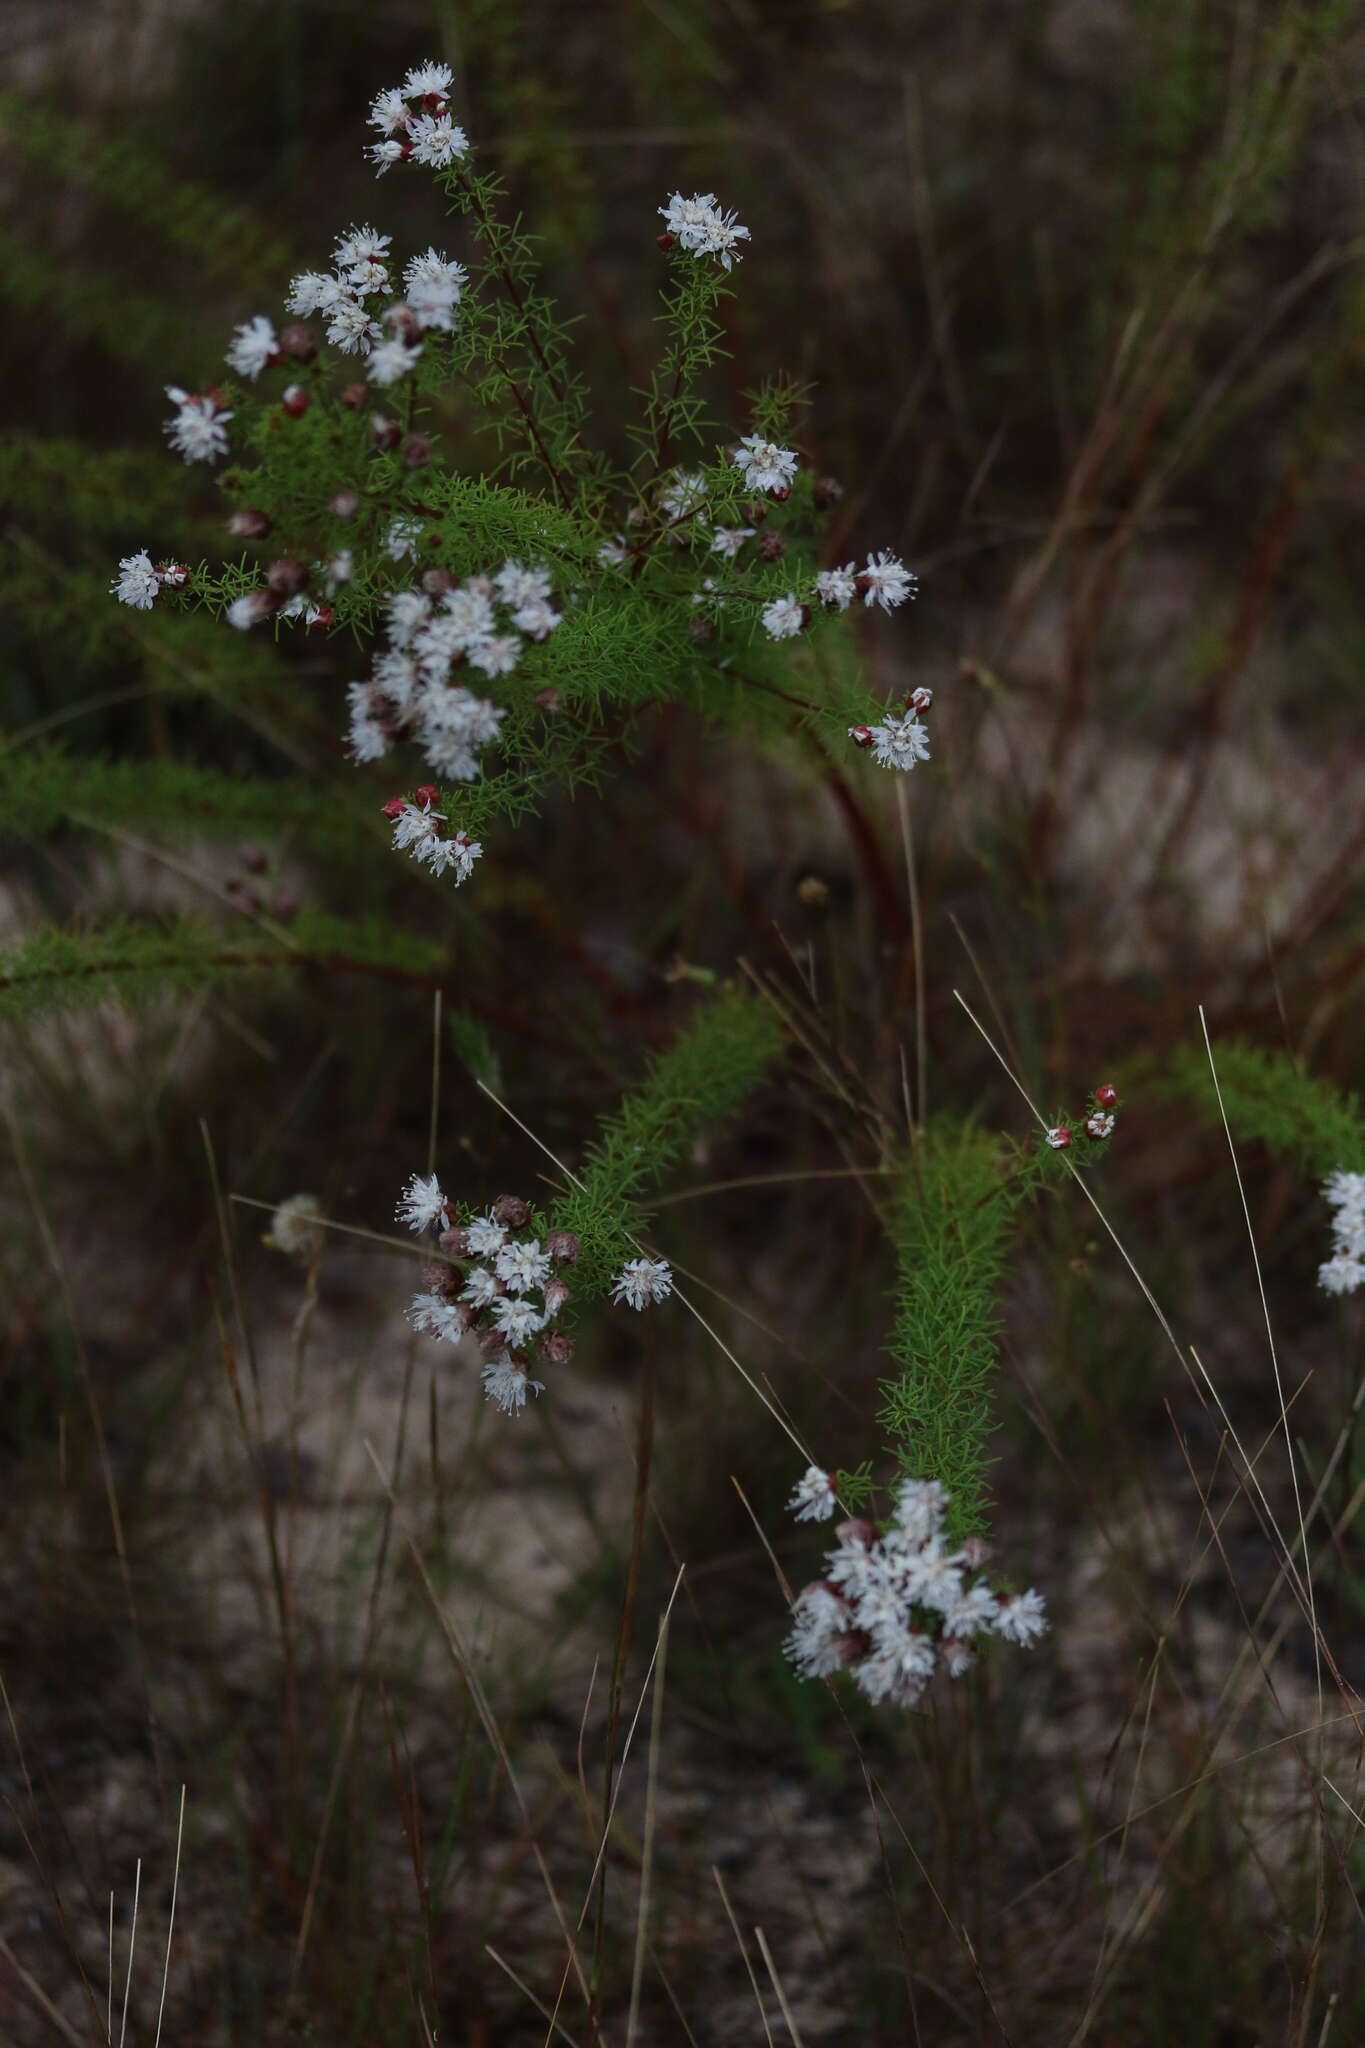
x=347, y=298
x=139, y=583
x=1098, y=1122
x=896, y=1604
x=900, y=739
x=415, y=123
x=1345, y=1270
x=496, y=1284
x=426, y=833
x=701, y=228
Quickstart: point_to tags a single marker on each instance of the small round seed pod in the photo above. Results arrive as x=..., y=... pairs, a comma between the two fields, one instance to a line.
x=511, y=1211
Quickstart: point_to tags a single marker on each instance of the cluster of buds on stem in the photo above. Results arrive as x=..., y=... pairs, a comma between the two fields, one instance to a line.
x=901, y=738
x=426, y=833
x=495, y=1283
x=1098, y=1122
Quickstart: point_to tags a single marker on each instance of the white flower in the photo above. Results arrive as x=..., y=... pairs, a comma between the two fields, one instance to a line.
x=900, y=742
x=728, y=540
x=518, y=585
x=837, y=586
x=388, y=112
x=766, y=467
x=819, y=1642
x=248, y=610
x=449, y=757
x=613, y=552
x=813, y=1499
x=522, y=1266
x=886, y=581
x=974, y=1613
x=702, y=228
x=1342, y=1274
x=296, y=1227
x=899, y=1673
x=199, y=430
x=1059, y=1137
x=253, y=347
x=508, y=1384
x=437, y=141
x=433, y=288
x=364, y=279
x=368, y=738
x=422, y=1203
x=361, y=245
x=402, y=537
x=517, y=1318
x=496, y=657
x=1099, y=1125
x=482, y=1288
x=485, y=1236
x=137, y=582
x=428, y=78
x=407, y=609
x=934, y=1576
x=391, y=360
x=957, y=1656
x=537, y=619
x=414, y=825
x=641, y=1282
x=784, y=617
x=312, y=291
x=686, y=493
x=469, y=614
x=920, y=1506
x=384, y=155
x=1022, y=1619
x=459, y=853
x=349, y=326
x=338, y=569
x=437, y=1316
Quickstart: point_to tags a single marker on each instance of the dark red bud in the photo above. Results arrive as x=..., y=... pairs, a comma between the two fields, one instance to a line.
x=861, y=735
x=297, y=341
x=395, y=807
x=555, y=1347
x=512, y=1211
x=384, y=432
x=288, y=576
x=782, y=493
x=548, y=700
x=436, y=582
x=418, y=450
x=325, y=616
x=1106, y=1095
x=919, y=700
x=563, y=1246
x=455, y=1240
x=295, y=400
x=249, y=524
x=666, y=241
x=343, y=504
x=354, y=395
x=427, y=794
x=771, y=547
x=826, y=491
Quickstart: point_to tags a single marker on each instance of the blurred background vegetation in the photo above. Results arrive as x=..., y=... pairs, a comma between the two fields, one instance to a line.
x=1076, y=290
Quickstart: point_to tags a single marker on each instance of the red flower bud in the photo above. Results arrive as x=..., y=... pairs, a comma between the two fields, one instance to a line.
x=919, y=700
x=555, y=1347
x=295, y=400
x=354, y=395
x=288, y=576
x=297, y=341
x=436, y=582
x=861, y=735
x=324, y=618
x=427, y=795
x=395, y=807
x=418, y=450
x=343, y=504
x=511, y=1210
x=563, y=1245
x=1059, y=1137
x=249, y=524
x=666, y=241
x=1106, y=1095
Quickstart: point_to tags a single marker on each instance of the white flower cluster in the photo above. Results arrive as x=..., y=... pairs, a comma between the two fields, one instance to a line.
x=198, y=428
x=1345, y=1270
x=894, y=1605
x=642, y=1282
x=702, y=228
x=766, y=466
x=139, y=584
x=900, y=740
x=424, y=832
x=885, y=581
x=415, y=124
x=346, y=298
x=411, y=686
x=506, y=1300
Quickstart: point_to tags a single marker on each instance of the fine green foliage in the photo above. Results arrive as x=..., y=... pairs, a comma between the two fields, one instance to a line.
x=136, y=959
x=42, y=787
x=1268, y=1096
x=729, y=1044
x=950, y=1228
